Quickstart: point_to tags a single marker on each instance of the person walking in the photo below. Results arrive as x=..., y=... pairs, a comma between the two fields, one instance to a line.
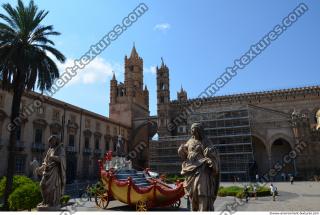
x=291, y=179
x=255, y=192
x=246, y=193
x=273, y=192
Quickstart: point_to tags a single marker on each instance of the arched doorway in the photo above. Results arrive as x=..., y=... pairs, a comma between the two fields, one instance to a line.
x=280, y=149
x=139, y=150
x=260, y=155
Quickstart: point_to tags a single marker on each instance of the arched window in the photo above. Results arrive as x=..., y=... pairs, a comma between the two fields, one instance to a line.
x=162, y=86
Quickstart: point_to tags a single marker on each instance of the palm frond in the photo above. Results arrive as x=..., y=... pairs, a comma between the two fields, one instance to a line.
x=24, y=47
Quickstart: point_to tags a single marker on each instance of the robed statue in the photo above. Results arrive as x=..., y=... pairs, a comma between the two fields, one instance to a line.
x=53, y=172
x=201, y=170
x=120, y=147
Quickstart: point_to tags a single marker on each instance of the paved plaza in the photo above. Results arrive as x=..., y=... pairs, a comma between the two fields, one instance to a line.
x=300, y=196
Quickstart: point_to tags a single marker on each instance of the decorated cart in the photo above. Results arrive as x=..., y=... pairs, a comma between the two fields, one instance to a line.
x=140, y=189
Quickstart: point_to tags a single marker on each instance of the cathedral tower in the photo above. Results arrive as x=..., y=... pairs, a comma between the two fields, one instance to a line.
x=129, y=100
x=163, y=98
x=182, y=96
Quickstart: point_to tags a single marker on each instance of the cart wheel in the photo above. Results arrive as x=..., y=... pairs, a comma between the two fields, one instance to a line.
x=102, y=200
x=142, y=205
x=177, y=204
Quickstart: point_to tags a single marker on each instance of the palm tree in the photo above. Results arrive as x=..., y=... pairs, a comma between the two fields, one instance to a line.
x=24, y=63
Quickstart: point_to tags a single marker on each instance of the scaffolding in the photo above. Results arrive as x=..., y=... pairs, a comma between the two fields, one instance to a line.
x=164, y=156
x=229, y=131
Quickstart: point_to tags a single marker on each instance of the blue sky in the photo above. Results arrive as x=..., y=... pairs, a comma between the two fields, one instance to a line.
x=198, y=40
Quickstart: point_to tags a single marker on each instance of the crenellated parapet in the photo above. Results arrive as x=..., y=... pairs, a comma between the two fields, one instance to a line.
x=257, y=97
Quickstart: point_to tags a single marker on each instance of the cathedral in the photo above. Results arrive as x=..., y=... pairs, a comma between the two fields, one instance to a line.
x=269, y=133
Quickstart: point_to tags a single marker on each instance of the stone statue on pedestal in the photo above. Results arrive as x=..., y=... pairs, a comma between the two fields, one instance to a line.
x=120, y=147
x=53, y=171
x=201, y=168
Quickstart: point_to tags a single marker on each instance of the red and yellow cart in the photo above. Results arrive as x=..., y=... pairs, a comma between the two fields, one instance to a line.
x=137, y=189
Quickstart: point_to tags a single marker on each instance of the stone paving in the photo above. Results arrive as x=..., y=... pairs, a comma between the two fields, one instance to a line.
x=301, y=196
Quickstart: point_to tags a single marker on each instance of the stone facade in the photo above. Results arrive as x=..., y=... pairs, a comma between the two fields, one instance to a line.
x=86, y=135
x=129, y=105
x=129, y=100
x=270, y=122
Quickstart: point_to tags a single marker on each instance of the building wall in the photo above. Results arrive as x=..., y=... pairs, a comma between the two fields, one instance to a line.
x=271, y=122
x=78, y=122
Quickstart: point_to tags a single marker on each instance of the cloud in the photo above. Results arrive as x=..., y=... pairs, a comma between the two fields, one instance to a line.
x=151, y=69
x=97, y=71
x=163, y=27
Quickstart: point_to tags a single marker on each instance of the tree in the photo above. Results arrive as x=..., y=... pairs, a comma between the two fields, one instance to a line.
x=24, y=63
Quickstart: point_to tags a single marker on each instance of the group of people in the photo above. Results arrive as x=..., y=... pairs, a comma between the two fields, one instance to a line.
x=273, y=191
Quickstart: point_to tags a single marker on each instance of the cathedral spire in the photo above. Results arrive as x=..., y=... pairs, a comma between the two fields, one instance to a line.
x=113, y=76
x=162, y=62
x=134, y=52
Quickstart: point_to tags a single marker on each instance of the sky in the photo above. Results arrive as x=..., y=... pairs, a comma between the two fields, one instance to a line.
x=197, y=40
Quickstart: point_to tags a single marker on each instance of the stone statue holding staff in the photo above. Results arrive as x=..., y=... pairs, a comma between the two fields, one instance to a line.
x=53, y=172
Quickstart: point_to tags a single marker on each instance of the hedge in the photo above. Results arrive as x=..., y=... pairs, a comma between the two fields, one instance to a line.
x=65, y=199
x=18, y=180
x=239, y=191
x=25, y=197
x=229, y=191
x=25, y=193
x=172, y=178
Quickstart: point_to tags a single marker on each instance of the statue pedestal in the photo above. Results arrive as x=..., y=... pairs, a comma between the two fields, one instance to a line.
x=47, y=208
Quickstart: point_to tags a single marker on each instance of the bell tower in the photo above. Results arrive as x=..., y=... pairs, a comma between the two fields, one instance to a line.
x=129, y=100
x=133, y=73
x=163, y=98
x=182, y=96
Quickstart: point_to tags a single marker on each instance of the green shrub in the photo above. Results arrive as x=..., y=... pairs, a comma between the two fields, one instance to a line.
x=229, y=191
x=18, y=180
x=25, y=197
x=263, y=191
x=222, y=193
x=172, y=178
x=239, y=191
x=97, y=188
x=240, y=195
x=65, y=199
